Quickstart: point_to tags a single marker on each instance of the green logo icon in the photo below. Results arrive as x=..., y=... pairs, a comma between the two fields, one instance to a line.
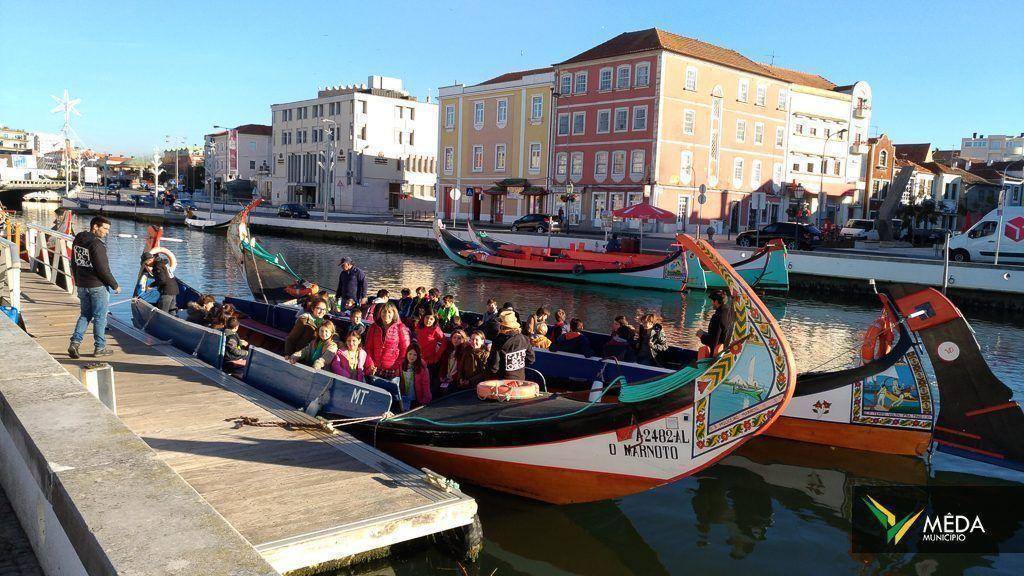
x=894, y=531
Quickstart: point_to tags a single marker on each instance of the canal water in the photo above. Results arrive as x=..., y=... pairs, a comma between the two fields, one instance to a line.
x=775, y=507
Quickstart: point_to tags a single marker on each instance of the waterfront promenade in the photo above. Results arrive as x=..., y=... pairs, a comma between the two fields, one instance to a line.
x=302, y=498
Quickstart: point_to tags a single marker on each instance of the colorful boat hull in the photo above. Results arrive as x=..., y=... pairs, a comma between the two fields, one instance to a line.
x=766, y=269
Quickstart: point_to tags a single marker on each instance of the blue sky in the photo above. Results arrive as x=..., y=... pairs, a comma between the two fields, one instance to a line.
x=940, y=70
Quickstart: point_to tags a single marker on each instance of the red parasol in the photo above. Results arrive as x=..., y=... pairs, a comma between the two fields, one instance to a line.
x=642, y=212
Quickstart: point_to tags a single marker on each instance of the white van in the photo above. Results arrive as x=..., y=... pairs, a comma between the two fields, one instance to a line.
x=979, y=243
x=857, y=228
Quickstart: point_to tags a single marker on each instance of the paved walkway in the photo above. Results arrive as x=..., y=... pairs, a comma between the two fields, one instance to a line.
x=16, y=555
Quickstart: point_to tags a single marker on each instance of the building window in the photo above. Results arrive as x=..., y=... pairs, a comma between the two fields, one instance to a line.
x=604, y=82
x=449, y=160
x=812, y=130
x=828, y=133
x=252, y=164
x=621, y=119
x=561, y=163
x=640, y=118
x=810, y=167
x=478, y=158
x=412, y=138
x=883, y=159
x=689, y=120
x=737, y=172
x=777, y=173
x=755, y=174
x=798, y=128
x=601, y=164
x=536, y=108
x=478, y=115
x=762, y=95
x=362, y=106
x=691, y=78
x=566, y=86
x=743, y=90
x=502, y=112
x=780, y=136
x=362, y=133
x=796, y=166
x=449, y=116
x=835, y=167
x=284, y=138
x=399, y=112
x=619, y=163
x=535, y=153
x=686, y=166
x=563, y=124
x=622, y=74
x=782, y=100
x=636, y=162
x=759, y=133
x=741, y=130
x=581, y=83
x=576, y=165
x=604, y=121
x=642, y=75
x=499, y=158
x=579, y=122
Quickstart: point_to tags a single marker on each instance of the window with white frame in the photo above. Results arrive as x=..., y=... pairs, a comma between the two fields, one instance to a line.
x=499, y=157
x=759, y=133
x=689, y=120
x=449, y=160
x=640, y=118
x=636, y=162
x=576, y=165
x=478, y=114
x=782, y=100
x=561, y=164
x=762, y=95
x=563, y=124
x=619, y=163
x=566, y=85
x=535, y=156
x=741, y=130
x=601, y=164
x=780, y=136
x=449, y=116
x=537, y=108
x=622, y=74
x=478, y=158
x=812, y=130
x=642, y=75
x=743, y=90
x=502, y=112
x=836, y=167
x=755, y=174
x=798, y=128
x=777, y=173
x=883, y=159
x=604, y=121
x=604, y=79
x=621, y=119
x=691, y=78
x=737, y=172
x=579, y=122
x=685, y=166
x=581, y=83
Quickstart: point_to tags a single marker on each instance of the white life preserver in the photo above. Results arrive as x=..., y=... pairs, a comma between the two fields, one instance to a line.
x=172, y=261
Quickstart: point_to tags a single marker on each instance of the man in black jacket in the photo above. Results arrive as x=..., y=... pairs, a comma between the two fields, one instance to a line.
x=351, y=283
x=91, y=272
x=510, y=350
x=719, y=333
x=163, y=280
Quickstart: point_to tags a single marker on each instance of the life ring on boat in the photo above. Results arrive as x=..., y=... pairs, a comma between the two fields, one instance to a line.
x=878, y=339
x=505, y=390
x=172, y=260
x=577, y=269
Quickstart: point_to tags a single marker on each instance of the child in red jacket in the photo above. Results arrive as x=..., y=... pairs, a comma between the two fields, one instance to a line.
x=414, y=379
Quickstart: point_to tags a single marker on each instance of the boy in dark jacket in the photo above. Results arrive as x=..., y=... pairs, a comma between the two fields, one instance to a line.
x=91, y=272
x=574, y=340
x=163, y=279
x=235, y=348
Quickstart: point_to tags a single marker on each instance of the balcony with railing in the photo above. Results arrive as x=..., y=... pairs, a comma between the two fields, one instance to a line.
x=862, y=111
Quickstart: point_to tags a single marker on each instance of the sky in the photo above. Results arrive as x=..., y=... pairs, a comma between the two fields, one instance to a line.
x=939, y=70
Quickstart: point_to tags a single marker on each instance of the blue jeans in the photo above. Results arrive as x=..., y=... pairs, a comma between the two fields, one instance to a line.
x=93, y=303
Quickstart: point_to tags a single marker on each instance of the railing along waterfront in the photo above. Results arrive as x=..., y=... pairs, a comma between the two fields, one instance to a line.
x=49, y=251
x=10, y=274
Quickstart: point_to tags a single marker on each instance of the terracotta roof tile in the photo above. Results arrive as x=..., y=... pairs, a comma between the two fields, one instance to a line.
x=797, y=77
x=512, y=76
x=259, y=129
x=915, y=152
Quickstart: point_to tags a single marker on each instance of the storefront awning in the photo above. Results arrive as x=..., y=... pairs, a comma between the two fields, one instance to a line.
x=534, y=191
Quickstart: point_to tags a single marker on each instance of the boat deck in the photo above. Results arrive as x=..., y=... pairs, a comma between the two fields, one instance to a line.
x=305, y=499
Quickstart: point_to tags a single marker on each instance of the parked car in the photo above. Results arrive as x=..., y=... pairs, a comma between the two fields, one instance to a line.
x=140, y=200
x=793, y=234
x=897, y=231
x=536, y=222
x=113, y=186
x=293, y=211
x=857, y=229
x=928, y=236
x=183, y=206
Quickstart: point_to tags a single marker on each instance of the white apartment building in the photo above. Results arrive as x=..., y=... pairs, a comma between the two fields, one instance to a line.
x=827, y=148
x=242, y=153
x=992, y=148
x=46, y=142
x=386, y=149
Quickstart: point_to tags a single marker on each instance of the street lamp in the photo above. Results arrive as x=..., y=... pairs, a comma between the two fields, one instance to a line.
x=822, y=197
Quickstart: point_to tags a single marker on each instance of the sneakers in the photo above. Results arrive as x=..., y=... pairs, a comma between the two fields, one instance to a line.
x=103, y=352
x=73, y=351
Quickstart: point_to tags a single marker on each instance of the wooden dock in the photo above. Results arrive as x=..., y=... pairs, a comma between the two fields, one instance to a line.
x=306, y=500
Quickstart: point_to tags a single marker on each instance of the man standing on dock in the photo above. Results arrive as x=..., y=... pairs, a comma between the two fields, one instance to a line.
x=91, y=271
x=351, y=282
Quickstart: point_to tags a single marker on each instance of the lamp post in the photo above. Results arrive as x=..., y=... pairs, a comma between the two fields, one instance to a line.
x=822, y=197
x=798, y=193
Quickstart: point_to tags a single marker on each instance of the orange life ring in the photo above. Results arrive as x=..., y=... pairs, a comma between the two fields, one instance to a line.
x=505, y=390
x=172, y=260
x=878, y=339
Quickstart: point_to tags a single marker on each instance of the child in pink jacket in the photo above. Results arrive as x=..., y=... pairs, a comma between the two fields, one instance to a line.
x=414, y=379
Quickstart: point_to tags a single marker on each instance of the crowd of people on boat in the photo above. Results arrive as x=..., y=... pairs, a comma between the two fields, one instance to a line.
x=420, y=339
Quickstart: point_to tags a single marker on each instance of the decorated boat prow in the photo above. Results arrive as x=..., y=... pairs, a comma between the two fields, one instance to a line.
x=269, y=276
x=565, y=448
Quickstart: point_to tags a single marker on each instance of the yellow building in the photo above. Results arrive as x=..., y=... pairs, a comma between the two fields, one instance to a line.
x=494, y=147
